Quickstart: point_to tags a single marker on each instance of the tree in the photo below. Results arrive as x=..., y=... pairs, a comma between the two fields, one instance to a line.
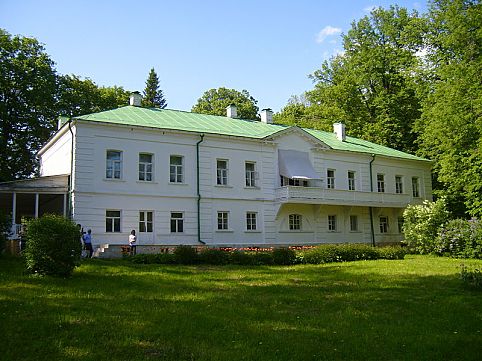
x=79, y=97
x=28, y=86
x=451, y=125
x=371, y=86
x=153, y=96
x=215, y=102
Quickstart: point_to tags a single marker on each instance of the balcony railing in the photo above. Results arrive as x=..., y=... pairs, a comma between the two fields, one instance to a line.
x=318, y=195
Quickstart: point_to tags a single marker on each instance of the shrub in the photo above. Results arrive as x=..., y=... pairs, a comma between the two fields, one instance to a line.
x=214, y=256
x=461, y=238
x=53, y=245
x=261, y=258
x=339, y=253
x=186, y=255
x=5, y=225
x=422, y=223
x=471, y=277
x=240, y=258
x=283, y=256
x=391, y=252
x=159, y=258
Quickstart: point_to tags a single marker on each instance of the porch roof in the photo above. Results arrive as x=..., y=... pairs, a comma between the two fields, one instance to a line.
x=49, y=184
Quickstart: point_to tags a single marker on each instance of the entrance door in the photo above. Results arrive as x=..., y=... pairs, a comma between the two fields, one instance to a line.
x=146, y=227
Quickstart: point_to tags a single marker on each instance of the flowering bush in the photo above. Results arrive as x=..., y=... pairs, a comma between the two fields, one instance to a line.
x=461, y=238
x=422, y=224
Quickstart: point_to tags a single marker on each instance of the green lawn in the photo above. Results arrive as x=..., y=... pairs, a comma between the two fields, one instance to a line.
x=415, y=309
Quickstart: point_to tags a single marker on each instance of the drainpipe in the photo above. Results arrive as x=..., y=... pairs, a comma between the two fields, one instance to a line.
x=370, y=208
x=198, y=192
x=71, y=183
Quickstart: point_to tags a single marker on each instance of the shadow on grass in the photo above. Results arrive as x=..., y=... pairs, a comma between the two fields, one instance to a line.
x=120, y=311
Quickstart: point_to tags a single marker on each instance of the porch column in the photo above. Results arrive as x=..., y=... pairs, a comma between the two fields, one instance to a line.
x=65, y=205
x=14, y=208
x=36, y=204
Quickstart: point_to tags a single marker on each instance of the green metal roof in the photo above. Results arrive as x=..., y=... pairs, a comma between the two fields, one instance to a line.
x=359, y=145
x=179, y=120
x=212, y=124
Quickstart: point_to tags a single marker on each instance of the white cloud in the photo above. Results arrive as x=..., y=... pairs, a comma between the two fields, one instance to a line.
x=327, y=31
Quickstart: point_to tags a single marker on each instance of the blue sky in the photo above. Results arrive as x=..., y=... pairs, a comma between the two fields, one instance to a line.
x=265, y=47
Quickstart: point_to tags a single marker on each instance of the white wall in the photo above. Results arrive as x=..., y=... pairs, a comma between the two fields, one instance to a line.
x=56, y=159
x=94, y=194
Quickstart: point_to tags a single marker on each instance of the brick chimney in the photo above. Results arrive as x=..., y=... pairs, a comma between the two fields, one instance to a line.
x=135, y=99
x=267, y=116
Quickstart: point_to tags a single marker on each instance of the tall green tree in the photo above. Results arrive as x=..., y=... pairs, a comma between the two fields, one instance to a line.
x=451, y=125
x=215, y=102
x=28, y=88
x=153, y=95
x=371, y=86
x=82, y=96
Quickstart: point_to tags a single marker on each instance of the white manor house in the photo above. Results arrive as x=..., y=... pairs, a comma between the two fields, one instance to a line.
x=184, y=178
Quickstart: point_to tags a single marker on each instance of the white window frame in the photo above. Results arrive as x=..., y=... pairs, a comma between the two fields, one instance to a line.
x=223, y=221
x=381, y=183
x=330, y=178
x=383, y=224
x=251, y=221
x=398, y=184
x=112, y=164
x=176, y=224
x=354, y=223
x=415, y=187
x=295, y=222
x=332, y=226
x=176, y=171
x=146, y=225
x=145, y=168
x=111, y=219
x=351, y=180
x=222, y=173
x=250, y=175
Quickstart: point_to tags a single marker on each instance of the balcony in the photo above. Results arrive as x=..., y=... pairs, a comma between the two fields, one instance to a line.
x=318, y=195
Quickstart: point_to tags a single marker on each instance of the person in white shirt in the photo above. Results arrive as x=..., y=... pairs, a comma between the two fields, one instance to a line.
x=132, y=242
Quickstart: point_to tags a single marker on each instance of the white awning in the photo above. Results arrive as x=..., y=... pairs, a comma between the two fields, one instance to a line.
x=296, y=164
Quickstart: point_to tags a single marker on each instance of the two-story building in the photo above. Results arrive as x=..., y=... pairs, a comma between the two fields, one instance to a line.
x=184, y=178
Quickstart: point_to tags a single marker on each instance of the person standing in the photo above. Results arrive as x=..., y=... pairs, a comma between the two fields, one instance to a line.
x=87, y=238
x=132, y=242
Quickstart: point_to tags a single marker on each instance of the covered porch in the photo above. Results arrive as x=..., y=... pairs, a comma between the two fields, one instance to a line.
x=31, y=198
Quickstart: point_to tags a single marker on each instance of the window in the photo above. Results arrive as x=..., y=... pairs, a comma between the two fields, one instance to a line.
x=383, y=224
x=293, y=182
x=112, y=221
x=332, y=223
x=176, y=173
x=381, y=183
x=400, y=224
x=295, y=222
x=113, y=168
x=330, y=179
x=251, y=221
x=250, y=174
x=177, y=222
x=415, y=187
x=222, y=172
x=398, y=184
x=351, y=181
x=223, y=221
x=354, y=223
x=145, y=221
x=145, y=167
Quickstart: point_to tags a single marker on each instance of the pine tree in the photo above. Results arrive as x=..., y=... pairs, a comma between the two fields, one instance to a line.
x=153, y=96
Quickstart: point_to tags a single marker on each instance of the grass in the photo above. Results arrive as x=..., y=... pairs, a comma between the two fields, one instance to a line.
x=414, y=309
